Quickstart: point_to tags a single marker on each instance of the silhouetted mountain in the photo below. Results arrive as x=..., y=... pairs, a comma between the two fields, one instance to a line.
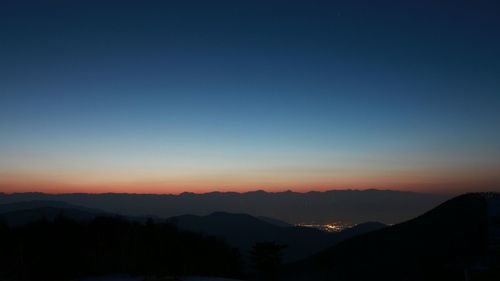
x=34, y=204
x=243, y=231
x=223, y=222
x=446, y=243
x=336, y=205
x=21, y=213
x=275, y=221
x=22, y=217
x=360, y=229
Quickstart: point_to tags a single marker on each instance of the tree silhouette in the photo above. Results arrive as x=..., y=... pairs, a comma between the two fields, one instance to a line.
x=64, y=249
x=266, y=258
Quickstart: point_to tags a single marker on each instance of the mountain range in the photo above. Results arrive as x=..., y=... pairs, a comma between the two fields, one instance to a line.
x=353, y=206
x=238, y=230
x=457, y=240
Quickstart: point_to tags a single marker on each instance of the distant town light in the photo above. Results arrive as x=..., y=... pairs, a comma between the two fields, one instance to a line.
x=328, y=227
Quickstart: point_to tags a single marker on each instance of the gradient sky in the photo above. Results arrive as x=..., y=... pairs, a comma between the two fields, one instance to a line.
x=171, y=96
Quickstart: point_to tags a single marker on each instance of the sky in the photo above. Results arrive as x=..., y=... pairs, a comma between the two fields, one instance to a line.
x=173, y=96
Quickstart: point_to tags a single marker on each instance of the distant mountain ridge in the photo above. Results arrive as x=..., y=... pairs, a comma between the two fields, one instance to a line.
x=25, y=205
x=354, y=206
x=21, y=213
x=274, y=221
x=23, y=217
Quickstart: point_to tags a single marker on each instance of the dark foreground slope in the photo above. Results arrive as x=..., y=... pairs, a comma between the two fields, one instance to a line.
x=449, y=242
x=65, y=249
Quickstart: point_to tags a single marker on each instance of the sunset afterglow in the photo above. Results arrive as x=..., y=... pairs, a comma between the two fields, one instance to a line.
x=171, y=98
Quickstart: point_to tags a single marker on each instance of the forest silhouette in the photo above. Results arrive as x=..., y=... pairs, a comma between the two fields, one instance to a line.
x=65, y=249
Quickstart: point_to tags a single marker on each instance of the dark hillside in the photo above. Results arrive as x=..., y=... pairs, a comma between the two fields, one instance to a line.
x=443, y=244
x=65, y=249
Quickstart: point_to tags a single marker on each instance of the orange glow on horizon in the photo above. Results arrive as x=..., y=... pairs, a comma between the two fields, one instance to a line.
x=177, y=187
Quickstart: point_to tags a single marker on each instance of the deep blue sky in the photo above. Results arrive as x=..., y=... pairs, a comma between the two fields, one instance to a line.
x=163, y=96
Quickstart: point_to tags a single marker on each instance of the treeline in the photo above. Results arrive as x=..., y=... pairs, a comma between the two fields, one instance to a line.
x=65, y=249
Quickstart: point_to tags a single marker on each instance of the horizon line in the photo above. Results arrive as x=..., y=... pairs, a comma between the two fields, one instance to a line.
x=240, y=192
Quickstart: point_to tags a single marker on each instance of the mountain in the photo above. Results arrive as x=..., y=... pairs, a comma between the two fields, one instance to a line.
x=34, y=204
x=239, y=230
x=243, y=231
x=21, y=213
x=274, y=221
x=359, y=229
x=450, y=242
x=23, y=217
x=353, y=206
